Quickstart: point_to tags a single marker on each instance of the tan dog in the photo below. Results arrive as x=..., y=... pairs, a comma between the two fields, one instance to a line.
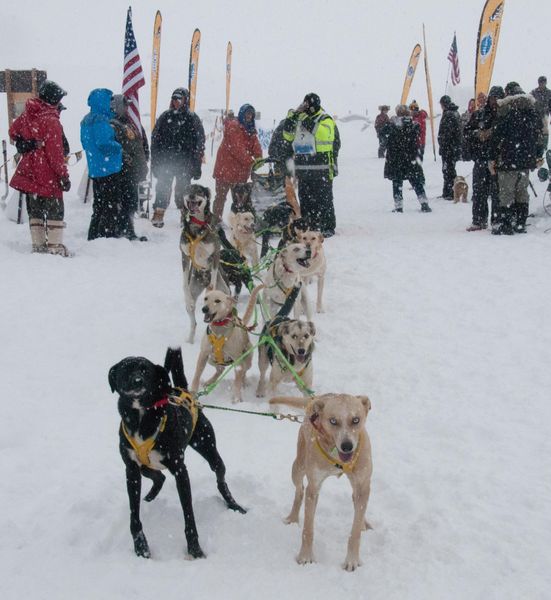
x=225, y=340
x=295, y=339
x=242, y=235
x=318, y=265
x=289, y=265
x=460, y=189
x=332, y=440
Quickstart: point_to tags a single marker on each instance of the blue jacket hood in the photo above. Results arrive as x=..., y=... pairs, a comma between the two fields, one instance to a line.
x=250, y=126
x=99, y=102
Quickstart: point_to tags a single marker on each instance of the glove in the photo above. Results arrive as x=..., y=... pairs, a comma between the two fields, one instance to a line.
x=23, y=146
x=65, y=184
x=196, y=172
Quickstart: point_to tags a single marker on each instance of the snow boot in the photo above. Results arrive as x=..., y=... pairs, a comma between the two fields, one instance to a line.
x=38, y=235
x=503, y=224
x=158, y=218
x=425, y=207
x=55, y=239
x=521, y=211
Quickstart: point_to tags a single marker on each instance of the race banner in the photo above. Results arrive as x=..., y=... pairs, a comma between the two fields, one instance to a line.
x=429, y=93
x=410, y=73
x=194, y=67
x=486, y=47
x=155, y=66
x=228, y=76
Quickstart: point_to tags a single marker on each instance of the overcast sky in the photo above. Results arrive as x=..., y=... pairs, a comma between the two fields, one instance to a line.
x=353, y=53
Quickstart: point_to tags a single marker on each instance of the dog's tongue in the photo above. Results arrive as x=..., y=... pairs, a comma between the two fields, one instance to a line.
x=345, y=456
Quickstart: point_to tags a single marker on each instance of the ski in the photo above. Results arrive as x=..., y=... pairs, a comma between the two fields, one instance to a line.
x=155, y=66
x=193, y=67
x=228, y=76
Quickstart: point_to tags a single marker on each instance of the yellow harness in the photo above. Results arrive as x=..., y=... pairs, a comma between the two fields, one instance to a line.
x=143, y=450
x=193, y=242
x=218, y=342
x=346, y=467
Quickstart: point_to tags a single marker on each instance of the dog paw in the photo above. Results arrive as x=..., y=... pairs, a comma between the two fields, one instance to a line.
x=237, y=508
x=320, y=310
x=260, y=393
x=351, y=564
x=195, y=551
x=305, y=558
x=141, y=547
x=290, y=519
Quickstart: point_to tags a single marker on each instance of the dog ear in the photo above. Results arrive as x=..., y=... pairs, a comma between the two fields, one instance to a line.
x=113, y=376
x=283, y=328
x=366, y=402
x=311, y=328
x=207, y=193
x=318, y=406
x=163, y=380
x=320, y=237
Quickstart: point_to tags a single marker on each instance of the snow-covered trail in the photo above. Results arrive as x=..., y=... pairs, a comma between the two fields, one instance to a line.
x=447, y=332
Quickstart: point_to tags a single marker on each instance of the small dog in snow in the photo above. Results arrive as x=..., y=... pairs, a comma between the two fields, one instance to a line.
x=460, y=189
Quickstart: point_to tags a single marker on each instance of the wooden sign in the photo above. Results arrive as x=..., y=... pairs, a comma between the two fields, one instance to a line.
x=19, y=87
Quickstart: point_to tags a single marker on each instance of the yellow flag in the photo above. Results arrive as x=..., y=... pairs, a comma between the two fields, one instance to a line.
x=155, y=66
x=410, y=73
x=194, y=67
x=488, y=37
x=228, y=76
x=429, y=93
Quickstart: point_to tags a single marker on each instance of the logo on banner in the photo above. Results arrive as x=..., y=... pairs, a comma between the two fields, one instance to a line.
x=411, y=71
x=485, y=47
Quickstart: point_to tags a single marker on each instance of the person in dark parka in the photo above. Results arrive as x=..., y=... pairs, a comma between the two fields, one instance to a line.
x=449, y=142
x=177, y=149
x=401, y=138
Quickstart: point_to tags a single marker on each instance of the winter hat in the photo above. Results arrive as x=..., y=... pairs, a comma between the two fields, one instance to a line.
x=414, y=105
x=119, y=104
x=50, y=92
x=497, y=92
x=513, y=89
x=180, y=94
x=445, y=101
x=248, y=125
x=401, y=110
x=542, y=79
x=313, y=103
x=384, y=107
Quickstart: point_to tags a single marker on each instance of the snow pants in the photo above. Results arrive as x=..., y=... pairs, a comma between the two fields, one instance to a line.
x=315, y=194
x=484, y=185
x=106, y=209
x=165, y=176
x=449, y=173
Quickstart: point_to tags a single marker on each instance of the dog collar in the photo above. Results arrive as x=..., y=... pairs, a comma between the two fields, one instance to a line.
x=286, y=267
x=223, y=322
x=160, y=403
x=197, y=221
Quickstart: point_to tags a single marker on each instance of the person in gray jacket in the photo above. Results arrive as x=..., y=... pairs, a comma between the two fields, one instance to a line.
x=542, y=94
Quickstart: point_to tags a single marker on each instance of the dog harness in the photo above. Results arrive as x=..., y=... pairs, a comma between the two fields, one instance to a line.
x=193, y=243
x=181, y=398
x=277, y=283
x=332, y=455
x=146, y=447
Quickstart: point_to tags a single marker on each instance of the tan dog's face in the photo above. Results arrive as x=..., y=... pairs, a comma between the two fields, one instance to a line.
x=342, y=417
x=313, y=239
x=244, y=223
x=297, y=338
x=296, y=257
x=459, y=179
x=216, y=306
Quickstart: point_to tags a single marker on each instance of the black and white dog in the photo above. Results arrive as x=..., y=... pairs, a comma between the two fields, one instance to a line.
x=154, y=433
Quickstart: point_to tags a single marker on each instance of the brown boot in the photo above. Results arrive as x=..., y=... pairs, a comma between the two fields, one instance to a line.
x=38, y=235
x=55, y=239
x=158, y=216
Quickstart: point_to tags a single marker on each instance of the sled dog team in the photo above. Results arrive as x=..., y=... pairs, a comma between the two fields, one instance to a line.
x=160, y=417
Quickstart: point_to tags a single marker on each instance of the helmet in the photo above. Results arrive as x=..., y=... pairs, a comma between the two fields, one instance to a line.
x=50, y=92
x=312, y=102
x=414, y=105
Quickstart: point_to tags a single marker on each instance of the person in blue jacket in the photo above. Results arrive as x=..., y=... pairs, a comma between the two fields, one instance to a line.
x=104, y=157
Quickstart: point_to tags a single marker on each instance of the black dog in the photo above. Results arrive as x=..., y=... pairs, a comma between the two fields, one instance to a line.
x=241, y=198
x=154, y=433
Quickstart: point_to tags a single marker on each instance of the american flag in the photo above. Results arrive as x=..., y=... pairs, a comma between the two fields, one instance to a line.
x=132, y=78
x=454, y=59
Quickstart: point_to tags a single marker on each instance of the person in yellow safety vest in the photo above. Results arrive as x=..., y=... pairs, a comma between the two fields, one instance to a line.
x=316, y=143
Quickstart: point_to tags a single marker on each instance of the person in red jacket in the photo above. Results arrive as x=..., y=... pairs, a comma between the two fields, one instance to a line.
x=420, y=116
x=42, y=172
x=236, y=154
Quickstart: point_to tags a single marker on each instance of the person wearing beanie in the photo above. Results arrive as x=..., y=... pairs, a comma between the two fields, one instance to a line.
x=380, y=121
x=515, y=148
x=42, y=173
x=420, y=117
x=239, y=149
x=542, y=94
x=401, y=136
x=449, y=142
x=316, y=144
x=477, y=134
x=177, y=149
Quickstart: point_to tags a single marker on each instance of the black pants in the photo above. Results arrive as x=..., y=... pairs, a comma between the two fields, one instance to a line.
x=165, y=176
x=315, y=193
x=484, y=186
x=382, y=146
x=107, y=209
x=449, y=173
x=46, y=209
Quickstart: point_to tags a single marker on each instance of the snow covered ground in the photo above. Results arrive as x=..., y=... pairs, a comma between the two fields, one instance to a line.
x=448, y=332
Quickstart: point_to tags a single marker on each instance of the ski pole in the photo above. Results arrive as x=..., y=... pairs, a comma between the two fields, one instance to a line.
x=532, y=188
x=5, y=165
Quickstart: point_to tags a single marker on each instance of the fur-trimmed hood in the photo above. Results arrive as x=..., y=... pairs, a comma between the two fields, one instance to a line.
x=517, y=102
